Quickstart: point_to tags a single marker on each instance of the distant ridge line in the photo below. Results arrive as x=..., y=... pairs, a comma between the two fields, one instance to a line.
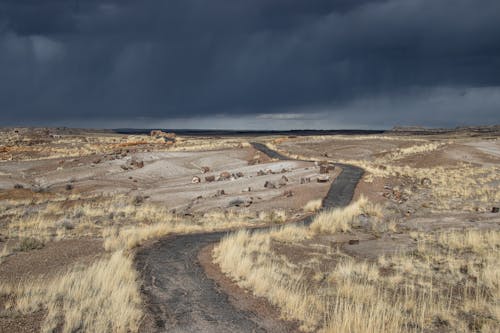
x=202, y=132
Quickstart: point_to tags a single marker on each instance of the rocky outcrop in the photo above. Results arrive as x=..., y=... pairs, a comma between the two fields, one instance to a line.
x=158, y=134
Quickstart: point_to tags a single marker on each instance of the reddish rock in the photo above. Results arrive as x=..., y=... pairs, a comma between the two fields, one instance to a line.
x=209, y=179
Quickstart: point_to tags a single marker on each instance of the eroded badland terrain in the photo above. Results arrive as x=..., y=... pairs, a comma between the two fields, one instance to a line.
x=392, y=232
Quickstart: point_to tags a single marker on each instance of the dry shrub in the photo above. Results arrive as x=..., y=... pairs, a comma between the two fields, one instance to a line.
x=273, y=216
x=132, y=236
x=128, y=237
x=103, y=297
x=341, y=219
x=313, y=205
x=28, y=244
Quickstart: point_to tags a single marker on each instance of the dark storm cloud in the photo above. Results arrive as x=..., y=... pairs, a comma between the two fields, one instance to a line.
x=361, y=61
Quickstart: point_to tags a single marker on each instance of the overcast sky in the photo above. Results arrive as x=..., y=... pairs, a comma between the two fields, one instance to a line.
x=259, y=64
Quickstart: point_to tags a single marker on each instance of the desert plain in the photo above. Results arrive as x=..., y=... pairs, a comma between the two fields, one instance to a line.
x=397, y=231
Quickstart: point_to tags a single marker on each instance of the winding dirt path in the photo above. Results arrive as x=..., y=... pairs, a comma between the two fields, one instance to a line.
x=179, y=295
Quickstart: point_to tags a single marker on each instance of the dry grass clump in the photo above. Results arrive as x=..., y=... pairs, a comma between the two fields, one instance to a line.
x=77, y=218
x=341, y=219
x=208, y=143
x=5, y=253
x=405, y=152
x=273, y=216
x=103, y=297
x=449, y=283
x=313, y=205
x=247, y=258
x=28, y=244
x=130, y=236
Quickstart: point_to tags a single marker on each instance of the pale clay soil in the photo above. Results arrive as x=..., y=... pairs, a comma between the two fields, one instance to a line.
x=166, y=178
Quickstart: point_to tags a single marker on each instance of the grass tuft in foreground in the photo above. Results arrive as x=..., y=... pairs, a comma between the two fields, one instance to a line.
x=103, y=297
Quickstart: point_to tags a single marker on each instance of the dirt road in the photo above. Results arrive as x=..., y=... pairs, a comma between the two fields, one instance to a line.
x=181, y=298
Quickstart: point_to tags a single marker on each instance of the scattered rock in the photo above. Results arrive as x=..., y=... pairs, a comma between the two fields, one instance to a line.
x=288, y=193
x=97, y=161
x=137, y=164
x=255, y=160
x=219, y=193
x=269, y=184
x=205, y=169
x=284, y=170
x=224, y=175
x=495, y=209
x=209, y=179
x=238, y=174
x=195, y=180
x=140, y=164
x=425, y=182
x=236, y=202
x=353, y=241
x=39, y=189
x=283, y=181
x=260, y=173
x=323, y=169
x=323, y=179
x=68, y=187
x=305, y=180
x=66, y=224
x=18, y=186
x=138, y=199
